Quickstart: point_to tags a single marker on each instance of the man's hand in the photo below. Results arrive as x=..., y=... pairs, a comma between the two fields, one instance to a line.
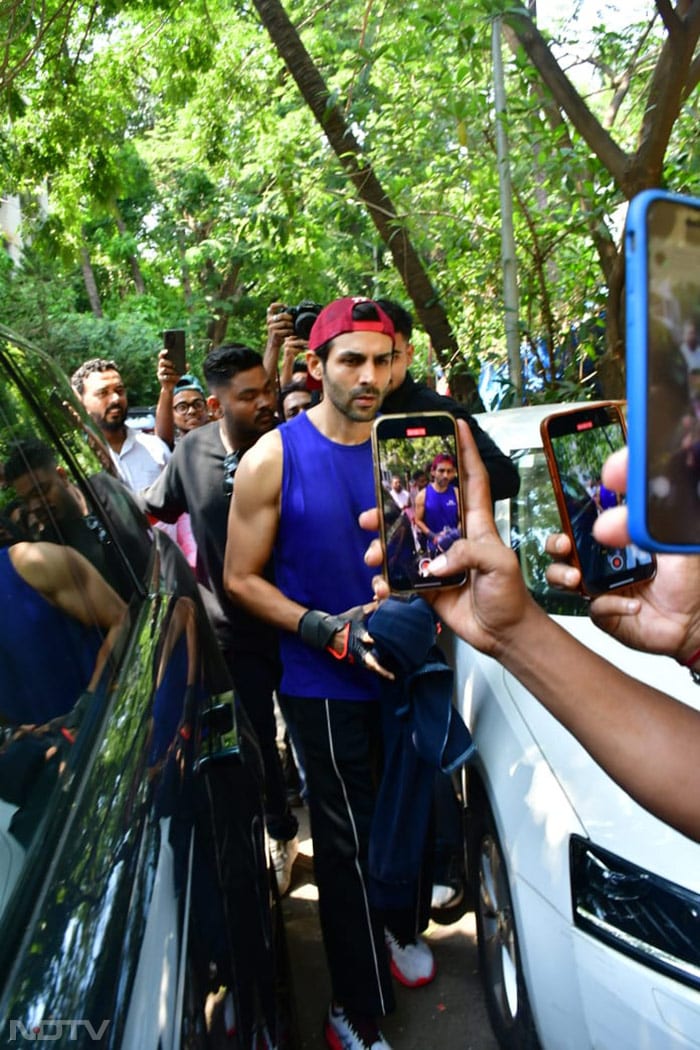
x=279, y=325
x=345, y=637
x=494, y=602
x=661, y=615
x=166, y=372
x=292, y=348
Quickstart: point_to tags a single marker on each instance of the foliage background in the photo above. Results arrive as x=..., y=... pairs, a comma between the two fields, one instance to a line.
x=171, y=175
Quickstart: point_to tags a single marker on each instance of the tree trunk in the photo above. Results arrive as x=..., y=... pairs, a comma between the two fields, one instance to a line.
x=674, y=77
x=216, y=329
x=90, y=282
x=428, y=306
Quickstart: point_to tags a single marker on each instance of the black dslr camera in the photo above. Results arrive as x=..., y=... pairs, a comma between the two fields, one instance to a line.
x=303, y=317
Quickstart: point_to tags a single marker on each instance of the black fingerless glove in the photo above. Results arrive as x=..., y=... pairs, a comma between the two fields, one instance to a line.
x=317, y=629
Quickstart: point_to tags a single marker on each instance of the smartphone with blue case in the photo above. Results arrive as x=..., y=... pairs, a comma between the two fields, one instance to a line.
x=662, y=301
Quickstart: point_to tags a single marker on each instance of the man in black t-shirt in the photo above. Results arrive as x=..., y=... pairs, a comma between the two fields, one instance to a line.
x=199, y=480
x=408, y=395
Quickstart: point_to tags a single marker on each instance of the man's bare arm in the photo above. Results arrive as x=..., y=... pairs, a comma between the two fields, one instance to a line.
x=619, y=720
x=70, y=582
x=252, y=530
x=419, y=517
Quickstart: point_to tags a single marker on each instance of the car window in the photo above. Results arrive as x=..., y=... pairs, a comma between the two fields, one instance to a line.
x=113, y=533
x=533, y=515
x=65, y=590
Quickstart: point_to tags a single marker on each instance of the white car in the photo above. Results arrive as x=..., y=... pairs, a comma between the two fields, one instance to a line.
x=587, y=907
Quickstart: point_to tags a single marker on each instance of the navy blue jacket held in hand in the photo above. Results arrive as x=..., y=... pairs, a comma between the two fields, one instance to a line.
x=422, y=733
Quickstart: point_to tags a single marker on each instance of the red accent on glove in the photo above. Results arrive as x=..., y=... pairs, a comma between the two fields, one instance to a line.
x=345, y=631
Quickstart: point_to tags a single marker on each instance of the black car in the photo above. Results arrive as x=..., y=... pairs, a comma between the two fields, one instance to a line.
x=136, y=904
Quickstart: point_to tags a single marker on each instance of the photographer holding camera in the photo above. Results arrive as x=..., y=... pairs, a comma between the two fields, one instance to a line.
x=288, y=330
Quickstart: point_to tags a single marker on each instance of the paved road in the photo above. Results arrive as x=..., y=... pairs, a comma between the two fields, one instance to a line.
x=448, y=1014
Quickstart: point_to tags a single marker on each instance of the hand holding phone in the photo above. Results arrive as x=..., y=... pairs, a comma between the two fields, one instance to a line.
x=174, y=343
x=416, y=466
x=662, y=292
x=577, y=443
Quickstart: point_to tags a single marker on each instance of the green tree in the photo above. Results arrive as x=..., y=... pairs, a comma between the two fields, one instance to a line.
x=666, y=66
x=189, y=186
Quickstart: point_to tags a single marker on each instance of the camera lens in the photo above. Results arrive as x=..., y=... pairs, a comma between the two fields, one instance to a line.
x=304, y=316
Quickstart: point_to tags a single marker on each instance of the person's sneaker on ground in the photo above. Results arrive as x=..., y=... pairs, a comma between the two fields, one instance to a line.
x=411, y=964
x=346, y=1030
x=447, y=895
x=283, y=855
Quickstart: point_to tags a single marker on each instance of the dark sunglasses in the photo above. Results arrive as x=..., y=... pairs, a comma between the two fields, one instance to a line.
x=231, y=461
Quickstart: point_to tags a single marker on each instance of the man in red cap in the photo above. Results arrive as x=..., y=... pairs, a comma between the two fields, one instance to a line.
x=437, y=506
x=298, y=495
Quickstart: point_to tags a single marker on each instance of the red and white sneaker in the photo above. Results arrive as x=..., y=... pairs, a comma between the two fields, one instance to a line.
x=411, y=964
x=345, y=1030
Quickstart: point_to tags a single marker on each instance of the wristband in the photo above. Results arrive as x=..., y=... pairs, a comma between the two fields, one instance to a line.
x=317, y=628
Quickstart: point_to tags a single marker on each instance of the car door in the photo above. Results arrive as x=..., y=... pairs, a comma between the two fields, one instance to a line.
x=113, y=900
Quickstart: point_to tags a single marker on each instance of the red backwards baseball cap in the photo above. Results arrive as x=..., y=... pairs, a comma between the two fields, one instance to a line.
x=337, y=319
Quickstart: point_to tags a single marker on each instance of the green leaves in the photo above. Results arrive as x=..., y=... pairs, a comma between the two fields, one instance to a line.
x=174, y=142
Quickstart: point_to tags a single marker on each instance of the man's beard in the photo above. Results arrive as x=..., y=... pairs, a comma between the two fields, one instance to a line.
x=345, y=401
x=113, y=423
x=245, y=434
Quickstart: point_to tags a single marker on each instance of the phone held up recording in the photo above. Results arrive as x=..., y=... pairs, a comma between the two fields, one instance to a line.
x=576, y=443
x=174, y=343
x=421, y=513
x=662, y=299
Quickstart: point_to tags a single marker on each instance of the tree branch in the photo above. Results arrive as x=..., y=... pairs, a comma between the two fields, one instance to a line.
x=665, y=96
x=565, y=94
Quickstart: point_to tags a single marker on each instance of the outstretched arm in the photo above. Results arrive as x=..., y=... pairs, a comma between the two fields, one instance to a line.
x=279, y=327
x=661, y=615
x=614, y=716
x=167, y=377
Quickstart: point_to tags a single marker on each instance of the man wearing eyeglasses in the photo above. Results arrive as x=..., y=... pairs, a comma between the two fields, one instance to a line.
x=199, y=480
x=182, y=403
x=182, y=406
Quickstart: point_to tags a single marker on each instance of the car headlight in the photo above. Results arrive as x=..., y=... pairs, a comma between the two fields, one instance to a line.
x=649, y=918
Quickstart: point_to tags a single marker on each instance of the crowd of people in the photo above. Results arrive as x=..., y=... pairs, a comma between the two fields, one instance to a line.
x=264, y=473
x=278, y=601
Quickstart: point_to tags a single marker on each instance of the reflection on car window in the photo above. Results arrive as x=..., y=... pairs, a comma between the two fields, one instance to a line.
x=64, y=614
x=534, y=516
x=40, y=498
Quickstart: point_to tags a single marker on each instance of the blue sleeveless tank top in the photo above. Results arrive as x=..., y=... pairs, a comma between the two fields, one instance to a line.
x=319, y=552
x=440, y=509
x=46, y=657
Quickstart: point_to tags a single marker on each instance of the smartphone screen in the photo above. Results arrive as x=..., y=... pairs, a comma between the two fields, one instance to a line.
x=174, y=343
x=662, y=246
x=577, y=444
x=416, y=468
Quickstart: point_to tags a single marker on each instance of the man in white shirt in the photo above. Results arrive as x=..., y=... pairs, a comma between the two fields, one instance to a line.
x=138, y=457
x=398, y=493
x=690, y=347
